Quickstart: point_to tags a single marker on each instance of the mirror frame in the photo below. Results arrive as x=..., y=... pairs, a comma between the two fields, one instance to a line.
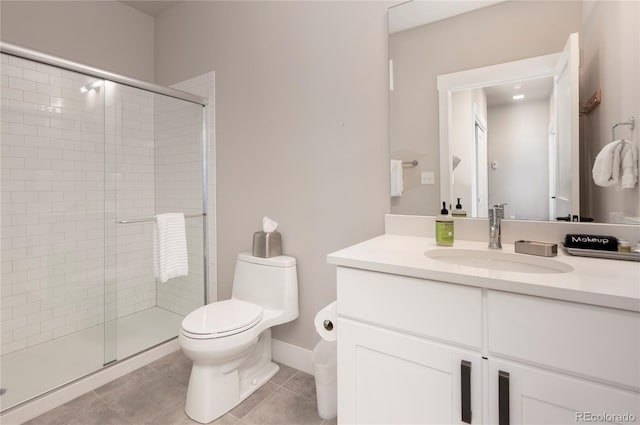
x=511, y=72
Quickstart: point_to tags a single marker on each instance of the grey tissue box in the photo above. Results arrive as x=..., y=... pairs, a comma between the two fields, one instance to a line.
x=267, y=244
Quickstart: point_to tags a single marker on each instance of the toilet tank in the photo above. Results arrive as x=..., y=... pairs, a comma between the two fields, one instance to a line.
x=269, y=282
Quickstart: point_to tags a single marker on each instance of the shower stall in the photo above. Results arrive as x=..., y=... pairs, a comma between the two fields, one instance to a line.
x=88, y=159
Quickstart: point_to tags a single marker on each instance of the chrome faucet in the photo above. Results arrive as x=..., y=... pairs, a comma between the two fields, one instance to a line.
x=496, y=214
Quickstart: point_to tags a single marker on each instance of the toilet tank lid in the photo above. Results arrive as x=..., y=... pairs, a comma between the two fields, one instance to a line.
x=279, y=261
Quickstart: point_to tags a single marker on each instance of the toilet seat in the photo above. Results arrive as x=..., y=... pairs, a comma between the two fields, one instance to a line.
x=220, y=319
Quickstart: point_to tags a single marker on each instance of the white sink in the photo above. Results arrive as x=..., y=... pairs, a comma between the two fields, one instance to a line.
x=498, y=260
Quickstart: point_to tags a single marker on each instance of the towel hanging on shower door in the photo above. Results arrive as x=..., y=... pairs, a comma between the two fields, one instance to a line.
x=170, y=247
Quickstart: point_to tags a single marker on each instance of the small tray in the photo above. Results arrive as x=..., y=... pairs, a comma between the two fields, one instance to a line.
x=599, y=253
x=541, y=249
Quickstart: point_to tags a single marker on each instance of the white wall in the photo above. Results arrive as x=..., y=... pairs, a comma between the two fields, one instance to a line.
x=105, y=34
x=463, y=141
x=518, y=143
x=497, y=34
x=301, y=94
x=462, y=144
x=611, y=42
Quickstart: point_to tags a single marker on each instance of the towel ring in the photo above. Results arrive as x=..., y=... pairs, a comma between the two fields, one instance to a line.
x=631, y=123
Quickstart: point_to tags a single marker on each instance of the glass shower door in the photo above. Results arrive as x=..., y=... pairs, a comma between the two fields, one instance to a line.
x=86, y=165
x=154, y=166
x=52, y=227
x=180, y=187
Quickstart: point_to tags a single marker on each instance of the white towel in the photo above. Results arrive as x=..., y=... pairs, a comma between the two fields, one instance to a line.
x=170, y=247
x=606, y=167
x=616, y=165
x=629, y=165
x=397, y=185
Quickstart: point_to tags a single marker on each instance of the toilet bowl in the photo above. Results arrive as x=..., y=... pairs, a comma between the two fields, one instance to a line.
x=229, y=342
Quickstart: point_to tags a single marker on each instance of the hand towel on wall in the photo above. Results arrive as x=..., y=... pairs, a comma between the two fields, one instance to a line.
x=170, y=247
x=616, y=165
x=629, y=164
x=603, y=165
x=397, y=185
x=606, y=167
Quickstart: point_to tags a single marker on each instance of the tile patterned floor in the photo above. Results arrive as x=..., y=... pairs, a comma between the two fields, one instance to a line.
x=154, y=395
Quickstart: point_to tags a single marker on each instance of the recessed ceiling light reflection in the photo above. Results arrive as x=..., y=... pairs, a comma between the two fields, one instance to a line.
x=95, y=86
x=45, y=108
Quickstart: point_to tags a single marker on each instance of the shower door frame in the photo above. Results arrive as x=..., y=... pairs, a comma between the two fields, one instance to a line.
x=25, y=53
x=32, y=55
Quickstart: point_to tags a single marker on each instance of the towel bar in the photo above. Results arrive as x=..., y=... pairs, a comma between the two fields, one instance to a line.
x=631, y=123
x=150, y=219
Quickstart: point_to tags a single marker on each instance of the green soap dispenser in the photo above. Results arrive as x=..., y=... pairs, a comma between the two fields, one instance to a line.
x=444, y=227
x=459, y=212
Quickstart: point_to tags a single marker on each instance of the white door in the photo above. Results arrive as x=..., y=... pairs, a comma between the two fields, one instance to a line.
x=520, y=394
x=386, y=377
x=481, y=192
x=553, y=171
x=566, y=89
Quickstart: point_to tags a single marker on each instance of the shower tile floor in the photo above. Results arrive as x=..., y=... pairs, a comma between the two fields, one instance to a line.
x=154, y=394
x=35, y=370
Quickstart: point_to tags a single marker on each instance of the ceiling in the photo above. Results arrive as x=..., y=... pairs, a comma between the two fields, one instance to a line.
x=414, y=13
x=533, y=90
x=150, y=7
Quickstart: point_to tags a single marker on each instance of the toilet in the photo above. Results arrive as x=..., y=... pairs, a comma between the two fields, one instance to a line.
x=229, y=341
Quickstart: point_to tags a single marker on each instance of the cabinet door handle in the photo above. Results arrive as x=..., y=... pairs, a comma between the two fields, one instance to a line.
x=503, y=398
x=465, y=393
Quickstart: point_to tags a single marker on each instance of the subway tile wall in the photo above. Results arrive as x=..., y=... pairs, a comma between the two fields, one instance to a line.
x=204, y=86
x=130, y=165
x=179, y=187
x=52, y=203
x=73, y=163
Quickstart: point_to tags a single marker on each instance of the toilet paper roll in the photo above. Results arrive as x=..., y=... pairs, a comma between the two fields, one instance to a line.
x=326, y=322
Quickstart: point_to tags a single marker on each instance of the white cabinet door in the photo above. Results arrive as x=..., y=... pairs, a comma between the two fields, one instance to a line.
x=597, y=343
x=387, y=377
x=520, y=394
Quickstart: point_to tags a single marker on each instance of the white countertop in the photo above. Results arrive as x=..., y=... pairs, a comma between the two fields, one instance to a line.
x=608, y=283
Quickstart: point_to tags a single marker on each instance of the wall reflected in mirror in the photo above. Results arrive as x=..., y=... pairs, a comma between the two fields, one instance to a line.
x=486, y=116
x=501, y=138
x=516, y=134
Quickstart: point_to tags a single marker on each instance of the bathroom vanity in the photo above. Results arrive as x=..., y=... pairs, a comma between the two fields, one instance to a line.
x=425, y=337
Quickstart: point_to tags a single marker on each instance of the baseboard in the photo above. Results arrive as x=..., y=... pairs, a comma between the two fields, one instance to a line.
x=29, y=410
x=292, y=355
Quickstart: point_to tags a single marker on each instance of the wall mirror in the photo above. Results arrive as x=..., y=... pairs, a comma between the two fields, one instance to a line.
x=455, y=69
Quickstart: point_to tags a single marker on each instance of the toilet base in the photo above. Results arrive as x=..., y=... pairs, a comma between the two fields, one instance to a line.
x=261, y=378
x=211, y=393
